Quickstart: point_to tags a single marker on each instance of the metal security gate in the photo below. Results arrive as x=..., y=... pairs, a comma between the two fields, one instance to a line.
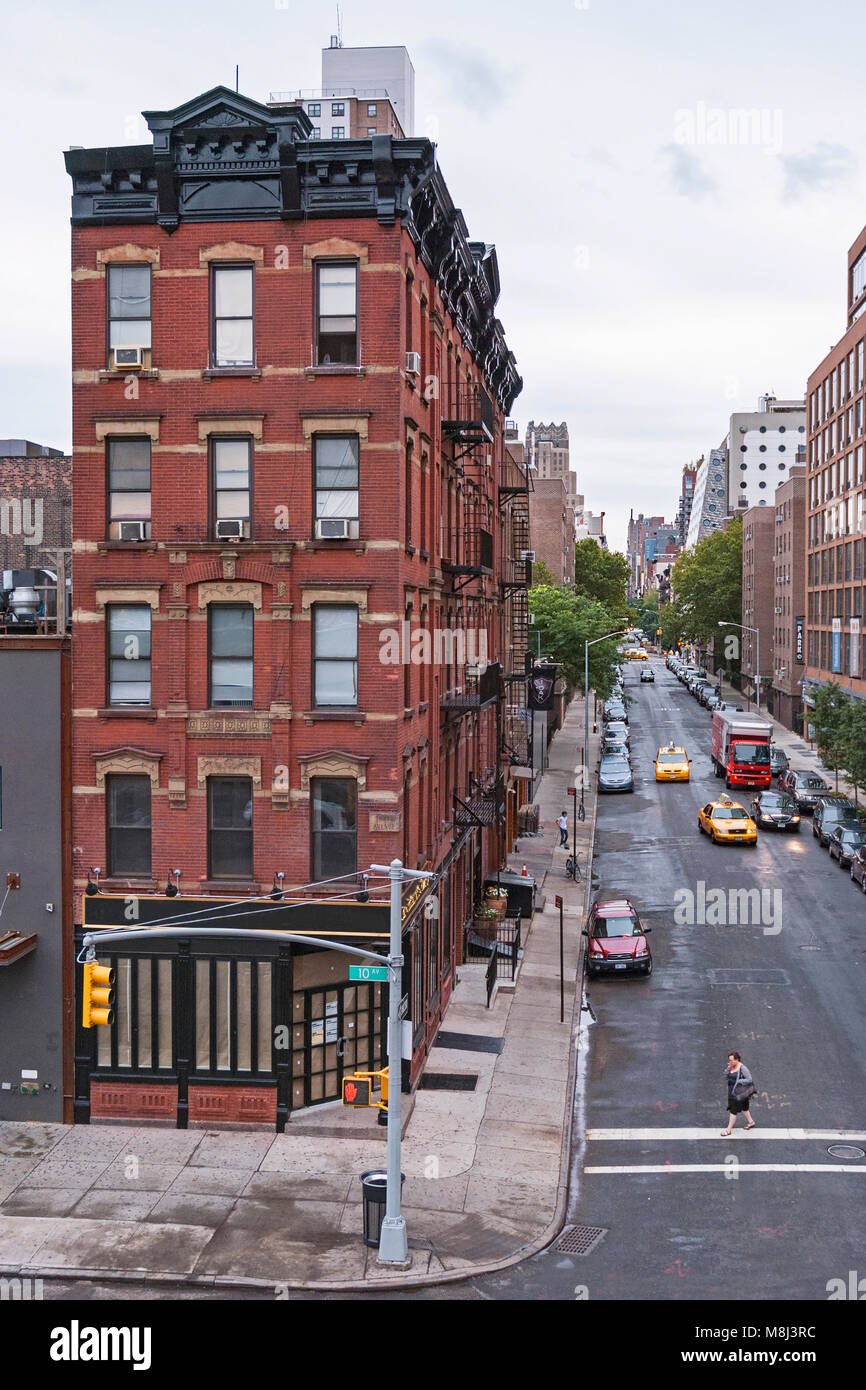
x=334, y=1032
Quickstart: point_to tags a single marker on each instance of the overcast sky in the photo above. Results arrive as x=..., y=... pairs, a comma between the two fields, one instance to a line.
x=662, y=263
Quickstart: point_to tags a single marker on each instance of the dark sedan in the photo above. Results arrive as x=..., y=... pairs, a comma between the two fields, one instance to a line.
x=858, y=867
x=778, y=761
x=615, y=710
x=775, y=811
x=830, y=812
x=647, y=675
x=615, y=775
x=617, y=728
x=805, y=787
x=844, y=843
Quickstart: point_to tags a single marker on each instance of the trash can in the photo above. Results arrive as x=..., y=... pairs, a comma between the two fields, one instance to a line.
x=375, y=1188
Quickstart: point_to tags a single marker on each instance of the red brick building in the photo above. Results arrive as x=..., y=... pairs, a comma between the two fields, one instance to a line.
x=289, y=395
x=835, y=492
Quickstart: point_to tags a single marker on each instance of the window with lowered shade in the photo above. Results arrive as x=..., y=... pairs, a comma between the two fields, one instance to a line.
x=335, y=655
x=232, y=342
x=230, y=633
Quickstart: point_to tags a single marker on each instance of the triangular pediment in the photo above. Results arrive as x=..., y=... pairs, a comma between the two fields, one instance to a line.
x=221, y=109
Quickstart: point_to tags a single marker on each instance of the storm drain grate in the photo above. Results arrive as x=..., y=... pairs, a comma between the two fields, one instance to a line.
x=579, y=1240
x=469, y=1042
x=448, y=1081
x=846, y=1151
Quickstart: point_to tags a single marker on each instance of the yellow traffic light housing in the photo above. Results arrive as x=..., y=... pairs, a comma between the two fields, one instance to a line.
x=97, y=996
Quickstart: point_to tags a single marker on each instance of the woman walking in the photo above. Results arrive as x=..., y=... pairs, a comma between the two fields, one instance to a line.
x=741, y=1088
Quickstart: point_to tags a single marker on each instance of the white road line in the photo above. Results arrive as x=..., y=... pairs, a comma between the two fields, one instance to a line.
x=831, y=1135
x=726, y=1168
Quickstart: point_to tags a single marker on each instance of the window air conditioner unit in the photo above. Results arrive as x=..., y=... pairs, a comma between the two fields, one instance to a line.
x=528, y=556
x=133, y=530
x=413, y=363
x=230, y=530
x=333, y=528
x=129, y=357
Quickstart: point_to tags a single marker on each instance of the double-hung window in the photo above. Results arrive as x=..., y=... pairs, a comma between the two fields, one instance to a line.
x=336, y=486
x=128, y=489
x=232, y=329
x=335, y=654
x=314, y=108
x=334, y=827
x=337, y=313
x=338, y=108
x=230, y=461
x=129, y=657
x=230, y=827
x=231, y=655
x=129, y=314
x=128, y=828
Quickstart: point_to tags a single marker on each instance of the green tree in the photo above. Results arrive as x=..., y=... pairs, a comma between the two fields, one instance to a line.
x=855, y=745
x=565, y=621
x=833, y=726
x=707, y=583
x=542, y=575
x=601, y=575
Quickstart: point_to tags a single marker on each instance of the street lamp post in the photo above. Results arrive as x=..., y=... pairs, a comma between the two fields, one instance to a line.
x=757, y=631
x=586, y=647
x=393, y=1242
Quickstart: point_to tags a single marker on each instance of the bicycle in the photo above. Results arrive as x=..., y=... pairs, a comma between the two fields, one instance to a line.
x=572, y=868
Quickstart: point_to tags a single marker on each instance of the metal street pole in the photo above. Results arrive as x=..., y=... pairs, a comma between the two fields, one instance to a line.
x=586, y=647
x=561, y=963
x=393, y=1241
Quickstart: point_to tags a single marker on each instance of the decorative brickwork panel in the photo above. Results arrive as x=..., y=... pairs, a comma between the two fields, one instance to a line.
x=236, y=1104
x=133, y=1101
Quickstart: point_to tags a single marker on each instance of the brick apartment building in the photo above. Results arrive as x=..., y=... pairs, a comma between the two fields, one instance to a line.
x=758, y=572
x=289, y=395
x=789, y=595
x=835, y=500
x=552, y=523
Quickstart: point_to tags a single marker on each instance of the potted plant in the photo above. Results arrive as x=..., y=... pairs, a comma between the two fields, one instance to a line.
x=497, y=899
x=485, y=922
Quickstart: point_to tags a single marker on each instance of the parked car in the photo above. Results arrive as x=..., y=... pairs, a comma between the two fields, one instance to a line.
x=712, y=701
x=858, y=867
x=615, y=748
x=619, y=728
x=844, y=842
x=703, y=690
x=778, y=761
x=615, y=709
x=831, y=811
x=775, y=811
x=616, y=940
x=615, y=775
x=647, y=674
x=805, y=787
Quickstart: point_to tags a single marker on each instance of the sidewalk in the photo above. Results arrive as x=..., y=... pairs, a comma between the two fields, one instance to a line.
x=486, y=1169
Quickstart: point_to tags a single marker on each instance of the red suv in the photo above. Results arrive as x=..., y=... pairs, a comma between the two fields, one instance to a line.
x=617, y=940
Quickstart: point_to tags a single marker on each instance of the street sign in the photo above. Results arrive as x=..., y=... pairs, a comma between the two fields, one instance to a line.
x=368, y=972
x=403, y=1009
x=558, y=900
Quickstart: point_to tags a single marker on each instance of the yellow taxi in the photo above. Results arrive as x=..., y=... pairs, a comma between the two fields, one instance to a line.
x=672, y=764
x=727, y=823
x=636, y=654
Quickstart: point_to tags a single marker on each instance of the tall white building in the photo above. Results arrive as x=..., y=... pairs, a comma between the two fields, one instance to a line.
x=710, y=501
x=763, y=446
x=386, y=69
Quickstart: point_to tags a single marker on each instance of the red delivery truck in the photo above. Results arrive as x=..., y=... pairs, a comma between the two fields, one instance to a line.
x=741, y=749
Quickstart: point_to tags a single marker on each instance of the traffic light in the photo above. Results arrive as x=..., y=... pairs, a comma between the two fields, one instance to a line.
x=356, y=1090
x=98, y=995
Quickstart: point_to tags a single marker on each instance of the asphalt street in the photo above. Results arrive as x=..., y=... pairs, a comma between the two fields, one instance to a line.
x=788, y=992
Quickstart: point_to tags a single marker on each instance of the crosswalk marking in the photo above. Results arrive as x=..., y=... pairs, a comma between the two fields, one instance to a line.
x=829, y=1135
x=726, y=1168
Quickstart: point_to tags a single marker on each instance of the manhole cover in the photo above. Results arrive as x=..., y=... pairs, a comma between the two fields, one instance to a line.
x=579, y=1240
x=846, y=1151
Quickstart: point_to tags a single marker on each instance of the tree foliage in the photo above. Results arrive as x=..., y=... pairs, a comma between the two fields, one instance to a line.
x=707, y=583
x=601, y=575
x=566, y=620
